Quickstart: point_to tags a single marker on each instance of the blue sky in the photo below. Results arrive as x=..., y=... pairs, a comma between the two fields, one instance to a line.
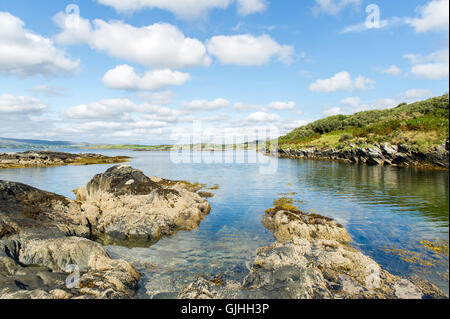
x=139, y=71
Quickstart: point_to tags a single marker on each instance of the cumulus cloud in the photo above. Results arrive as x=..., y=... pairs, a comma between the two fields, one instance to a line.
x=24, y=53
x=417, y=93
x=157, y=98
x=259, y=117
x=187, y=9
x=333, y=7
x=246, y=7
x=247, y=50
x=342, y=81
x=49, y=90
x=331, y=111
x=106, y=108
x=124, y=77
x=245, y=107
x=20, y=105
x=432, y=17
x=434, y=66
x=281, y=106
x=159, y=46
x=124, y=111
x=205, y=105
x=351, y=101
x=392, y=70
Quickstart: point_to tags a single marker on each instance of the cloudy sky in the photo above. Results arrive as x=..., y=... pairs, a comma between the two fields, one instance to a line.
x=139, y=71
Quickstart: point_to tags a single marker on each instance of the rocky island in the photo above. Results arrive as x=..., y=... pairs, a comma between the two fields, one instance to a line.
x=44, y=235
x=49, y=159
x=311, y=259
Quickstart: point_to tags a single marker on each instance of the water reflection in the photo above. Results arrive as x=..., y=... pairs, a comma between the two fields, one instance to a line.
x=382, y=207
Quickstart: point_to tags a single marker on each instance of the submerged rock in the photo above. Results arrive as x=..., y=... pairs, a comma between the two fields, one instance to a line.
x=312, y=259
x=45, y=236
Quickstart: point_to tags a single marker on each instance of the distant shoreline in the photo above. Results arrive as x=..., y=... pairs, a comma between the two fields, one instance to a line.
x=31, y=159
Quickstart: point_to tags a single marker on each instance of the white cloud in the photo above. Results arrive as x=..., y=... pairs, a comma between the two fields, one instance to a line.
x=246, y=7
x=205, y=105
x=106, y=108
x=342, y=81
x=21, y=105
x=49, y=90
x=333, y=111
x=417, y=93
x=333, y=7
x=124, y=77
x=187, y=9
x=248, y=50
x=260, y=117
x=433, y=17
x=282, y=106
x=434, y=66
x=157, y=98
x=289, y=126
x=24, y=53
x=392, y=70
x=379, y=104
x=351, y=101
x=384, y=24
x=159, y=46
x=245, y=107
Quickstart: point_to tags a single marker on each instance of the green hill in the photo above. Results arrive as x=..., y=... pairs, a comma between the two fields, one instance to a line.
x=422, y=125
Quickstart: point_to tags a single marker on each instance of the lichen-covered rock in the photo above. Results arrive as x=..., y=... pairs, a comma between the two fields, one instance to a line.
x=123, y=205
x=312, y=259
x=289, y=224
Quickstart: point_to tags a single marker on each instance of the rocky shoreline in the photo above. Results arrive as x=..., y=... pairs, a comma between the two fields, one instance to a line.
x=385, y=154
x=43, y=236
x=311, y=259
x=49, y=159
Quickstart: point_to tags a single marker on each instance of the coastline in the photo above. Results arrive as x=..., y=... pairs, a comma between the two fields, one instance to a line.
x=381, y=155
x=36, y=159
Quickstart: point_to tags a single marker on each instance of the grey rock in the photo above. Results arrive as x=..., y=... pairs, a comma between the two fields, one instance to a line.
x=42, y=234
x=312, y=259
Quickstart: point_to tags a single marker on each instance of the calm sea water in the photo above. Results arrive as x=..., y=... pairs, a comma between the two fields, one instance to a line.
x=383, y=208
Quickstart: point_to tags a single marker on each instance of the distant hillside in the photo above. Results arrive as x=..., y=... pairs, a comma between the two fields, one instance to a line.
x=37, y=144
x=422, y=125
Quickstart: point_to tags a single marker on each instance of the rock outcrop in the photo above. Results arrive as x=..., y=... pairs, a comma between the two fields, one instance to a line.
x=311, y=259
x=48, y=159
x=45, y=236
x=41, y=235
x=125, y=206
x=386, y=154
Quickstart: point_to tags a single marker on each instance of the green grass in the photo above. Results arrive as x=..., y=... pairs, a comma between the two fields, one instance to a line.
x=423, y=124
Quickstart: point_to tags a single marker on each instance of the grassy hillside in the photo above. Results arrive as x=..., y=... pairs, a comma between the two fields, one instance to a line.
x=422, y=125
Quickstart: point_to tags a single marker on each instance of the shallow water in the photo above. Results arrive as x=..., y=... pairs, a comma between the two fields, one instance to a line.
x=382, y=208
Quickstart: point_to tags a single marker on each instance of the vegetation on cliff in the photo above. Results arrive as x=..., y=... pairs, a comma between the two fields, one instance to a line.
x=422, y=125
